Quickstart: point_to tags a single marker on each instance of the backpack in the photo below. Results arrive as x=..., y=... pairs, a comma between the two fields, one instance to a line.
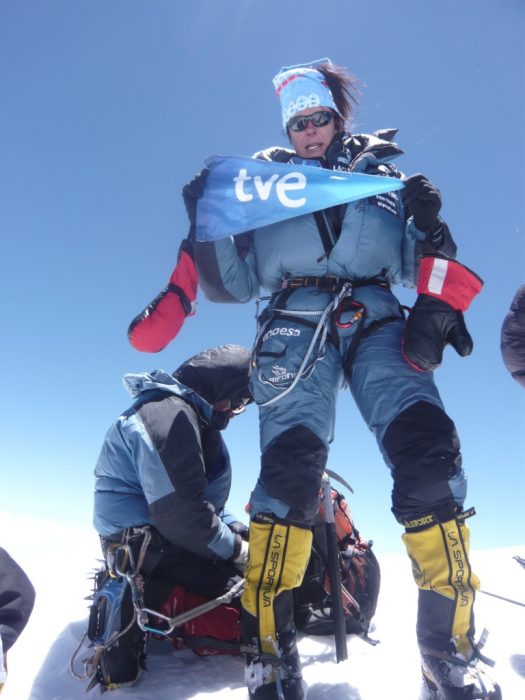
x=217, y=631
x=360, y=576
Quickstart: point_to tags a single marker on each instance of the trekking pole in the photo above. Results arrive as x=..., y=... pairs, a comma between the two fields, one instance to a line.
x=334, y=574
x=520, y=561
x=502, y=597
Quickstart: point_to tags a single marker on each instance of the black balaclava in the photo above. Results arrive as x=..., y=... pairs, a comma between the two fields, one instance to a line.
x=218, y=374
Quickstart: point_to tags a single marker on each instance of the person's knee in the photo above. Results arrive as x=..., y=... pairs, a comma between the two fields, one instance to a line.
x=423, y=446
x=292, y=467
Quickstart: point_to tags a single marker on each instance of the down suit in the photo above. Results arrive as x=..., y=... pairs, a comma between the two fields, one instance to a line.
x=316, y=334
x=332, y=320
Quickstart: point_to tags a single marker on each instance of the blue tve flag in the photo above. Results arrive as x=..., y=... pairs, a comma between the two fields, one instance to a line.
x=245, y=193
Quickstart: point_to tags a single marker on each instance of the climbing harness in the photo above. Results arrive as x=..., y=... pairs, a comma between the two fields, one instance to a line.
x=111, y=585
x=320, y=335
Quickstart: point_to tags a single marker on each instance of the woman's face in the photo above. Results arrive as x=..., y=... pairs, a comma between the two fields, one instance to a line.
x=314, y=140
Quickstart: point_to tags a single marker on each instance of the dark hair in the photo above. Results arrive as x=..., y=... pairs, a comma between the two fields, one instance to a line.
x=344, y=89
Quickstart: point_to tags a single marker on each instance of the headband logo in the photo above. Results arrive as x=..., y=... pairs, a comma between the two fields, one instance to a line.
x=302, y=102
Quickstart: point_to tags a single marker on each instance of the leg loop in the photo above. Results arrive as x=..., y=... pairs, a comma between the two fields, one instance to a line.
x=317, y=343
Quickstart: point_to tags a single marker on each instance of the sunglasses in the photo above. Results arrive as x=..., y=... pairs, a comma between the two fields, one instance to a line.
x=321, y=118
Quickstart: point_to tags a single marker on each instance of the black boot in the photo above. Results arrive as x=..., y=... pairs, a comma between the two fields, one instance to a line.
x=120, y=644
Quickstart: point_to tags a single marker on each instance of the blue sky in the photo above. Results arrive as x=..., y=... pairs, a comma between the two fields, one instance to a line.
x=109, y=107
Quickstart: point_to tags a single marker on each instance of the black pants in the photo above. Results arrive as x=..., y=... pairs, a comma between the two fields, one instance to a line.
x=166, y=565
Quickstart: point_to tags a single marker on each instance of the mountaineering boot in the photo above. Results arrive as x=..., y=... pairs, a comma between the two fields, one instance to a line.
x=278, y=557
x=120, y=645
x=281, y=676
x=452, y=665
x=450, y=677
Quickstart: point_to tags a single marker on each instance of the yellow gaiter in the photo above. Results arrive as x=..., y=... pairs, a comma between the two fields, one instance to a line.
x=279, y=554
x=442, y=571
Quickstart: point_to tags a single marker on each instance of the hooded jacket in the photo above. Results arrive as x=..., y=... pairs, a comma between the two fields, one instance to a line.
x=163, y=462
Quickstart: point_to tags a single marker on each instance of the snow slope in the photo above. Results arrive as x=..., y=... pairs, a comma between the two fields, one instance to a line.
x=58, y=560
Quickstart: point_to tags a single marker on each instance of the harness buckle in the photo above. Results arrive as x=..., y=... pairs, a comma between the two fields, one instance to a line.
x=327, y=283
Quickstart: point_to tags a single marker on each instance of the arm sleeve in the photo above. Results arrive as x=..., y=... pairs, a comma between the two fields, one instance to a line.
x=226, y=269
x=175, y=483
x=417, y=243
x=234, y=524
x=513, y=337
x=17, y=597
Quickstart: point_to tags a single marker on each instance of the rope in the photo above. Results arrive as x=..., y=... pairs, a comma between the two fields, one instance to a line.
x=140, y=613
x=184, y=617
x=321, y=330
x=84, y=676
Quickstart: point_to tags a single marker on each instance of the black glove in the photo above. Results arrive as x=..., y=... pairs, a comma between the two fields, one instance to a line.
x=422, y=200
x=446, y=289
x=240, y=529
x=191, y=194
x=431, y=325
x=337, y=156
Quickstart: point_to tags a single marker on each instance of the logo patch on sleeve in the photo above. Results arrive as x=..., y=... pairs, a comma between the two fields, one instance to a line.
x=388, y=201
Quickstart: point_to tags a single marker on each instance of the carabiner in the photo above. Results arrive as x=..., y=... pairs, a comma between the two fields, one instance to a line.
x=349, y=304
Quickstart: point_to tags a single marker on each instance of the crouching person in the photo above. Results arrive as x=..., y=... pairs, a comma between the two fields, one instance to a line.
x=162, y=481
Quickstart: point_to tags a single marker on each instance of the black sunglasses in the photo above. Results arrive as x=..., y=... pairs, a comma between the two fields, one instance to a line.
x=321, y=118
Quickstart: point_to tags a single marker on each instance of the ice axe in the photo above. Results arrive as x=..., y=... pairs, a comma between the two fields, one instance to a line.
x=334, y=573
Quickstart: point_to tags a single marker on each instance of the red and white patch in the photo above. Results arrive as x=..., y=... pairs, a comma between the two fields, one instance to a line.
x=449, y=281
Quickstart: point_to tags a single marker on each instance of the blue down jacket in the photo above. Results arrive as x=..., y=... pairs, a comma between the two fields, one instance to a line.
x=163, y=463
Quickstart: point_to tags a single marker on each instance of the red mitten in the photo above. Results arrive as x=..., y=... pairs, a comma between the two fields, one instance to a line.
x=162, y=319
x=449, y=281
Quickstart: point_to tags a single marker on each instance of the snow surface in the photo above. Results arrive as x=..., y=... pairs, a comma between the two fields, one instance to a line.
x=58, y=562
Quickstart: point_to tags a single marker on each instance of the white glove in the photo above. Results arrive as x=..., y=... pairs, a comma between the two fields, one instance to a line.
x=241, y=559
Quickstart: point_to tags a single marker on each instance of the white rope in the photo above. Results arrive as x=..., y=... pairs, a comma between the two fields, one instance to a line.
x=322, y=328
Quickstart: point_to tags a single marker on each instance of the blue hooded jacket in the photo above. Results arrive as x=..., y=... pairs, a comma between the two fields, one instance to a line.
x=163, y=463
x=374, y=242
